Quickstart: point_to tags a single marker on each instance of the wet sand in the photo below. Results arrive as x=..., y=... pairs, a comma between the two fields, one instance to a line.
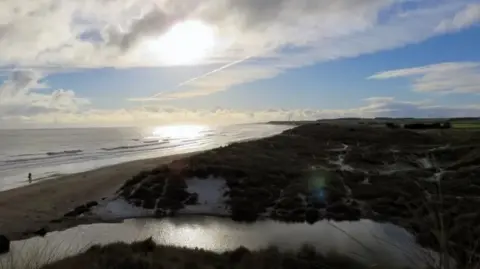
x=30, y=208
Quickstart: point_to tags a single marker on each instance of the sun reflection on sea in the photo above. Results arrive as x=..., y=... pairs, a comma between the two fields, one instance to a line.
x=180, y=131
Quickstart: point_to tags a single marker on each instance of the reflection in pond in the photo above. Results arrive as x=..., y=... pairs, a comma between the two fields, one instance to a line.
x=380, y=243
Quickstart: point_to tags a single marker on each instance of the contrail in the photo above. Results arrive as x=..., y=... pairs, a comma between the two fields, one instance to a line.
x=215, y=71
x=206, y=74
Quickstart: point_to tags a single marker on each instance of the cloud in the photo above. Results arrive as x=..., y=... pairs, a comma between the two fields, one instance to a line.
x=379, y=99
x=157, y=115
x=19, y=84
x=335, y=30
x=94, y=33
x=421, y=109
x=99, y=33
x=469, y=16
x=452, y=77
x=275, y=35
x=154, y=23
x=19, y=95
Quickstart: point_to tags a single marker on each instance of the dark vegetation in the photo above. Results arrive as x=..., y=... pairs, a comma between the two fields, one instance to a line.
x=392, y=125
x=425, y=181
x=148, y=255
x=420, y=125
x=434, y=125
x=4, y=244
x=408, y=123
x=81, y=209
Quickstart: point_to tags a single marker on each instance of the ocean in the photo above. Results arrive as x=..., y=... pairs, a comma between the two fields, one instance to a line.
x=49, y=153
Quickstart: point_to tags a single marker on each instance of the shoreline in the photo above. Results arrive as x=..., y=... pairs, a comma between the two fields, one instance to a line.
x=306, y=174
x=26, y=213
x=28, y=209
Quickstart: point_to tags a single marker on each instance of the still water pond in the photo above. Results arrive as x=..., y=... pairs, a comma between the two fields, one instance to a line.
x=366, y=239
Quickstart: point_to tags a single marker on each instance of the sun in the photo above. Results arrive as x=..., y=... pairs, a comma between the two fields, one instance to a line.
x=185, y=43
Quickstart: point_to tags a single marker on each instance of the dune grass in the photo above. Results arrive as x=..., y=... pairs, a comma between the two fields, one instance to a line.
x=147, y=255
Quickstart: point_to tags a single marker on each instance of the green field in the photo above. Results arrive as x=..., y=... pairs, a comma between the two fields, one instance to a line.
x=466, y=125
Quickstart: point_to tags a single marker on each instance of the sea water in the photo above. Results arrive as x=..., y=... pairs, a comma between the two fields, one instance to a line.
x=47, y=153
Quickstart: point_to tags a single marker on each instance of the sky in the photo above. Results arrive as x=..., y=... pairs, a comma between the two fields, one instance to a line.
x=149, y=62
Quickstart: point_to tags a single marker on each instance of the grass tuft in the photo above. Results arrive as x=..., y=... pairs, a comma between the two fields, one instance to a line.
x=147, y=255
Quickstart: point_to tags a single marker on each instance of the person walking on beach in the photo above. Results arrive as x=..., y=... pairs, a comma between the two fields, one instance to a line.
x=29, y=177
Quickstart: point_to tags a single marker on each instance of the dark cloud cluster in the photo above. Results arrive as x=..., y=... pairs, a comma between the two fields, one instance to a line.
x=19, y=83
x=152, y=24
x=18, y=96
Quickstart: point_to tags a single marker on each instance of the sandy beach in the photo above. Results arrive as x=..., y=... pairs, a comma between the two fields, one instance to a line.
x=32, y=207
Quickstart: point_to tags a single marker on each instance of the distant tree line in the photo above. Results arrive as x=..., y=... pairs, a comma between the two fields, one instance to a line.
x=465, y=119
x=420, y=125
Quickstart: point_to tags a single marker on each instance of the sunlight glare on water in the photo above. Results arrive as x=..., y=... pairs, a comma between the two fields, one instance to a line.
x=180, y=131
x=47, y=153
x=379, y=242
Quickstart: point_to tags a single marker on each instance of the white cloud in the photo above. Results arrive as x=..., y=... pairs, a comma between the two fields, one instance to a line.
x=275, y=35
x=470, y=15
x=156, y=115
x=335, y=32
x=20, y=95
x=98, y=33
x=453, y=77
x=95, y=33
x=379, y=99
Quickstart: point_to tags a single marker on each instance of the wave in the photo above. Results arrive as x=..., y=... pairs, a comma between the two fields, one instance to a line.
x=150, y=141
x=134, y=146
x=65, y=152
x=55, y=159
x=42, y=156
x=24, y=158
x=26, y=154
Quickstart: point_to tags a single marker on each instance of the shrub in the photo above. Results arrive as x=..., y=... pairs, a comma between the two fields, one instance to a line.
x=421, y=126
x=392, y=125
x=312, y=215
x=237, y=255
x=244, y=214
x=136, y=179
x=192, y=199
x=191, y=265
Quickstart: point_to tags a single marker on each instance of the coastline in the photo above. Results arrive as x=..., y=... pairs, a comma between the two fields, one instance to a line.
x=306, y=174
x=339, y=172
x=27, y=209
x=30, y=210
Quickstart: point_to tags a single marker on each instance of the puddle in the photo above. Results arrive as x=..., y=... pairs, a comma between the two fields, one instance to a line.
x=378, y=243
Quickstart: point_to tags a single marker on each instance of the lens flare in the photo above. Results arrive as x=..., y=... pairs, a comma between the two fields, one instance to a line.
x=317, y=182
